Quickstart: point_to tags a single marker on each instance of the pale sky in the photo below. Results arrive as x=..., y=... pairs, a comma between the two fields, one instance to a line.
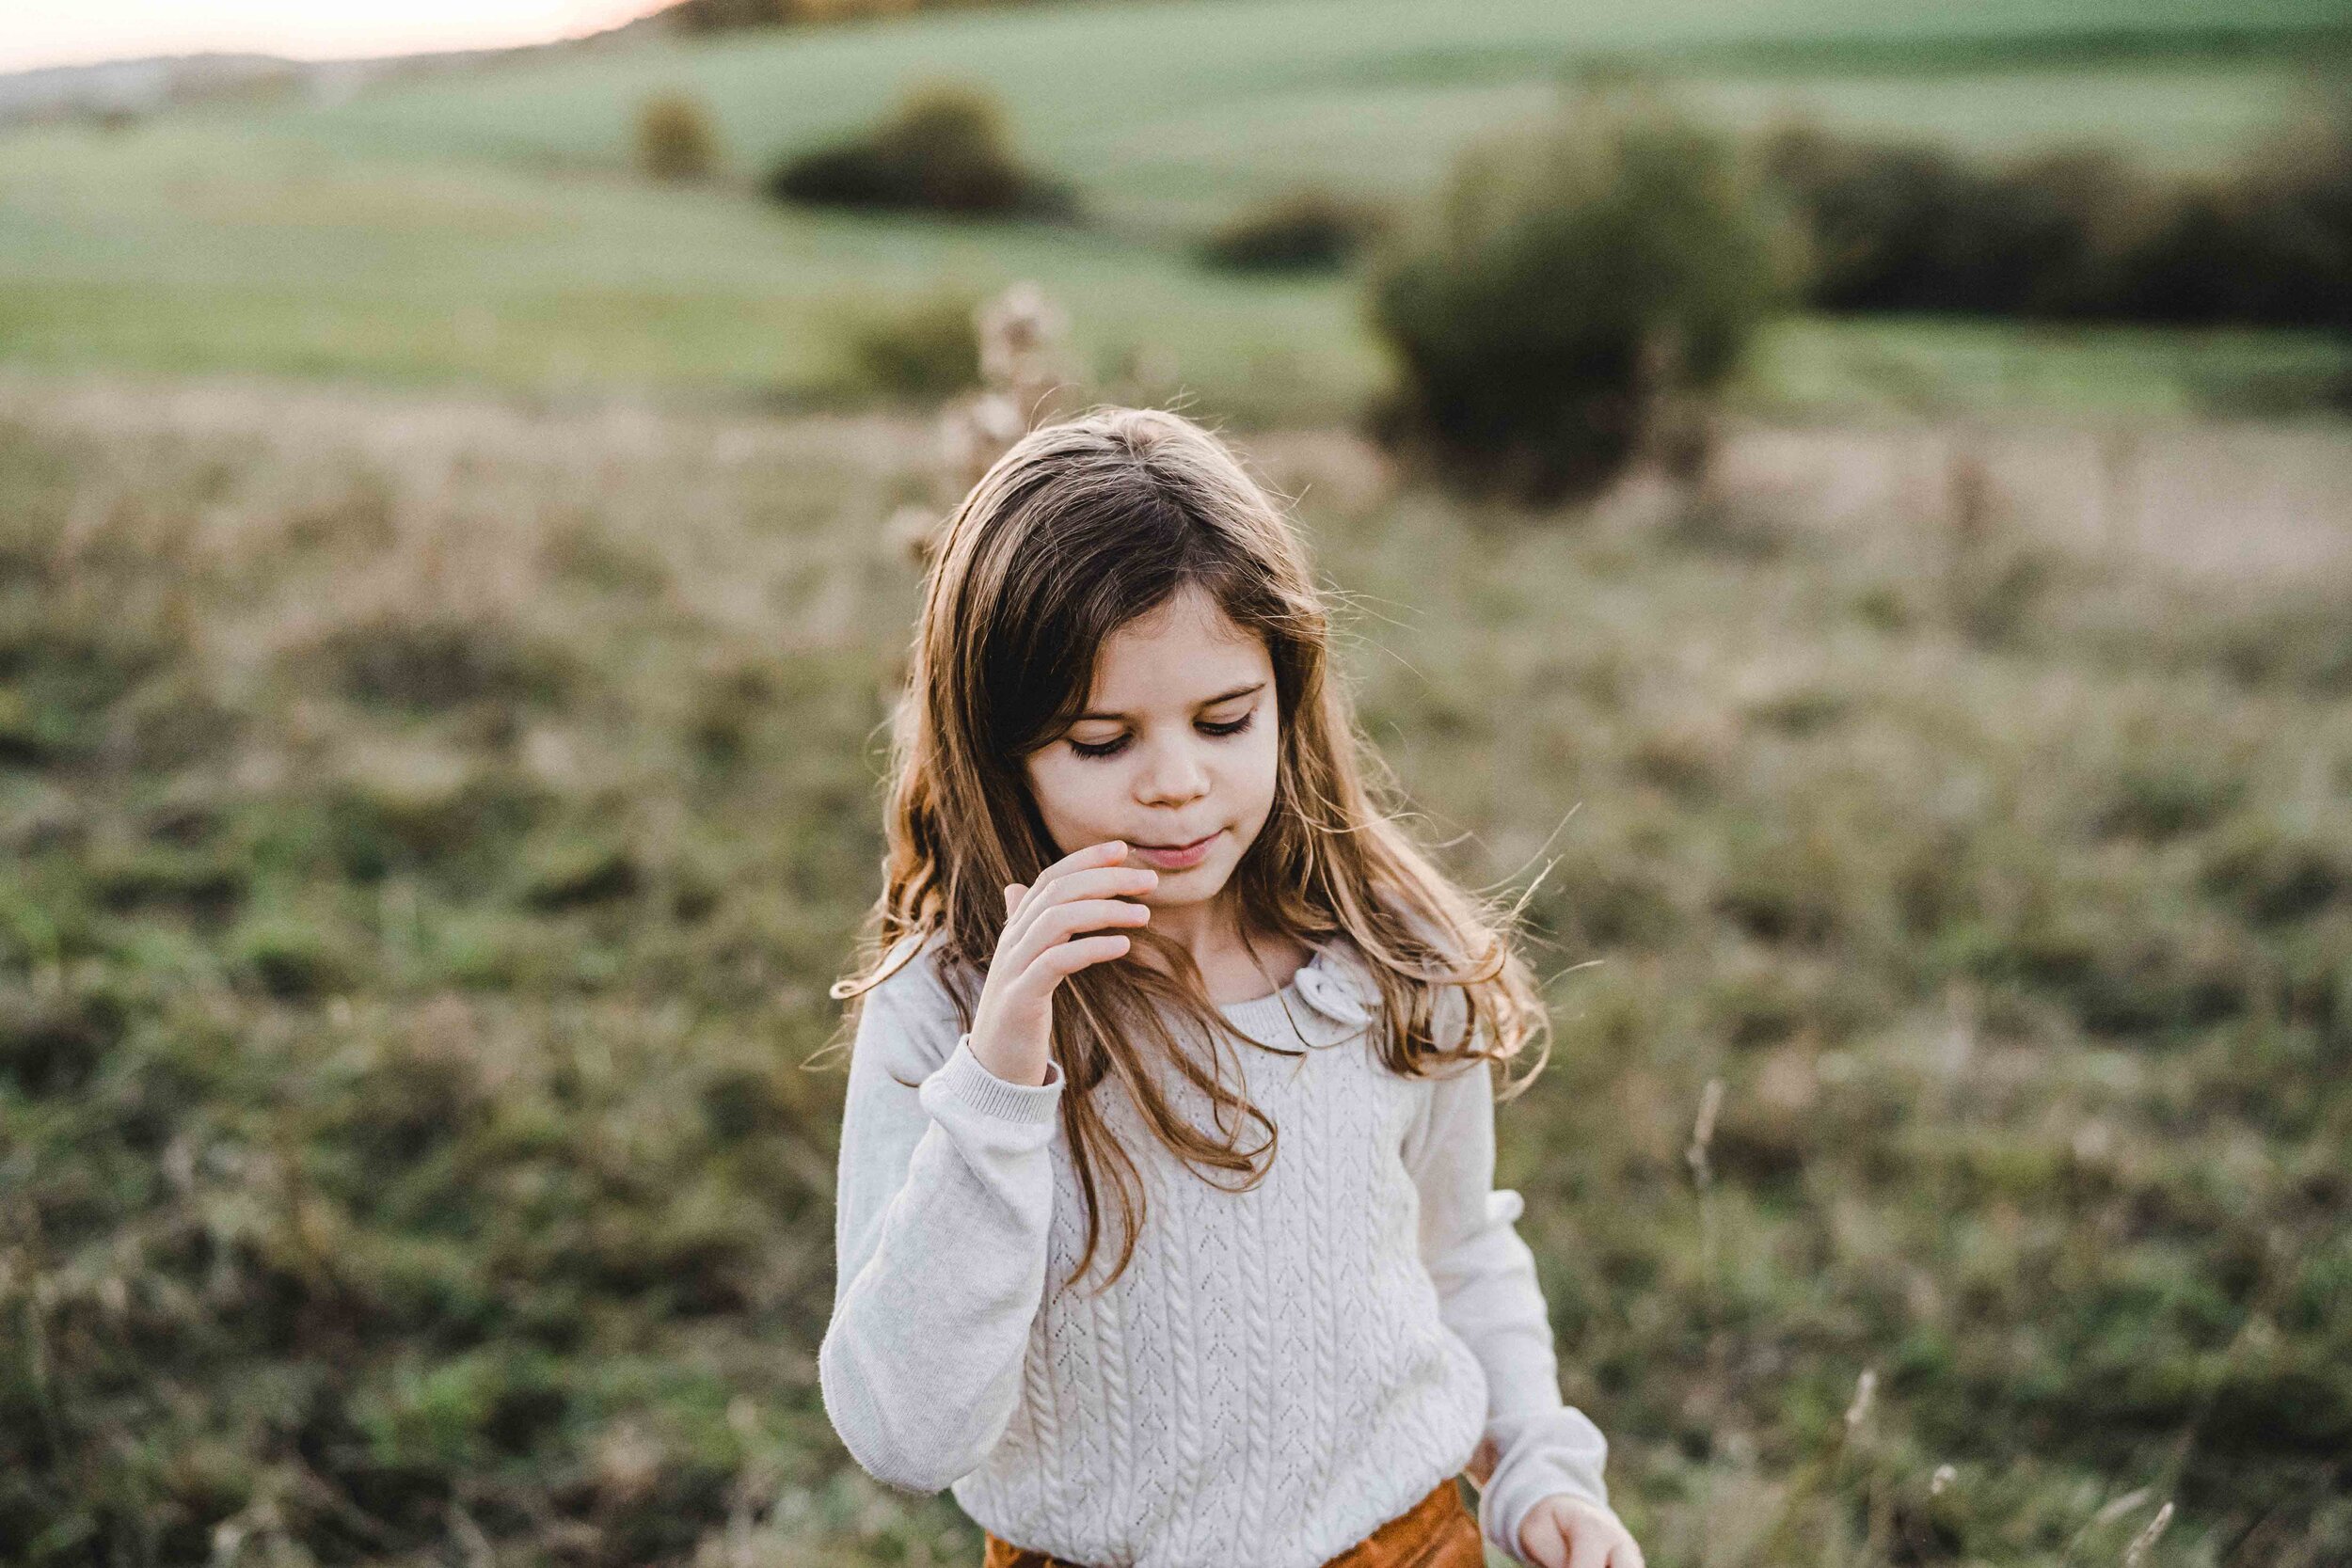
x=79, y=32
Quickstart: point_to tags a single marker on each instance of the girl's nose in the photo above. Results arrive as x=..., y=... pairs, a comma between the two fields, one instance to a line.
x=1173, y=775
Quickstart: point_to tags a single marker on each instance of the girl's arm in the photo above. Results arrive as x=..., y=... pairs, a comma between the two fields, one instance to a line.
x=1489, y=1294
x=944, y=1195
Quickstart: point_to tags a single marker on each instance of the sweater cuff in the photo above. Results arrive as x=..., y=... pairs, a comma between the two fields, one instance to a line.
x=1560, y=1451
x=964, y=1078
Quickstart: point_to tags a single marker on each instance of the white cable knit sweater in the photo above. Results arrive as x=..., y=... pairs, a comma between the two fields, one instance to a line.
x=1278, y=1371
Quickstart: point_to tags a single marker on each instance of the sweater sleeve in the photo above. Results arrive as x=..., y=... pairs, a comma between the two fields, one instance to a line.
x=1489, y=1295
x=943, y=1204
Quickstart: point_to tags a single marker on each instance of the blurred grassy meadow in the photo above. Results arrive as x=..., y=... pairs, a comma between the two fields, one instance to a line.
x=449, y=608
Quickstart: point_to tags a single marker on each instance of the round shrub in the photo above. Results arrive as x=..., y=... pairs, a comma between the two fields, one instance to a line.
x=946, y=149
x=675, y=139
x=1307, y=229
x=1575, y=277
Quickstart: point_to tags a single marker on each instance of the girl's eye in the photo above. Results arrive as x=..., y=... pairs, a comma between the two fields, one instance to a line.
x=1110, y=747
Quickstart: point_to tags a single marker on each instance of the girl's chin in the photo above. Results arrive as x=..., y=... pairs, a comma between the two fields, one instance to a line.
x=1202, y=885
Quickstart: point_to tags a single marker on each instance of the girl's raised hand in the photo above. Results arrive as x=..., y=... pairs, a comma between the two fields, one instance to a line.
x=1012, y=1028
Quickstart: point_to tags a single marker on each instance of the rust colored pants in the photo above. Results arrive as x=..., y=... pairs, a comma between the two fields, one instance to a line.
x=1438, y=1531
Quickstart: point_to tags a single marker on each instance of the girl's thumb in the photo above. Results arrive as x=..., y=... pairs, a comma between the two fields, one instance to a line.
x=1012, y=896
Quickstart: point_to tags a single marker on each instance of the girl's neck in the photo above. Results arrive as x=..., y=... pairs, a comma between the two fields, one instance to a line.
x=1211, y=932
x=1210, y=929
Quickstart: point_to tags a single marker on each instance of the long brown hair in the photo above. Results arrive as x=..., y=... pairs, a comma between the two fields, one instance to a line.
x=1080, y=528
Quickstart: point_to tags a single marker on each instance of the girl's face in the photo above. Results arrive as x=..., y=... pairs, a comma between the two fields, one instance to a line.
x=1175, y=753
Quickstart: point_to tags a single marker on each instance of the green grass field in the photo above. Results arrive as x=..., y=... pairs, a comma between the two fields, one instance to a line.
x=427, y=829
x=485, y=227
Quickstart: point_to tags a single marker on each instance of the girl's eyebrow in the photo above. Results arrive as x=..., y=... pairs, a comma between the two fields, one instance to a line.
x=1209, y=702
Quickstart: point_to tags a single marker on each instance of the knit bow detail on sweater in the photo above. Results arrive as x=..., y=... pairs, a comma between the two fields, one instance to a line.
x=1337, y=986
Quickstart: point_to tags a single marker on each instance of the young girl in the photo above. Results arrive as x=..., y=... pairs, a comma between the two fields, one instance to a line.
x=1141, y=923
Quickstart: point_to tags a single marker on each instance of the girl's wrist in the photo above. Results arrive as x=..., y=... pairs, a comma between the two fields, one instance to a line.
x=1042, y=1074
x=964, y=1085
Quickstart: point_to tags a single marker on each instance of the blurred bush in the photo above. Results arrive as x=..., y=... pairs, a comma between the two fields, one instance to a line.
x=675, y=138
x=1574, y=280
x=2078, y=234
x=2273, y=245
x=946, y=149
x=1306, y=229
x=929, y=350
x=721, y=16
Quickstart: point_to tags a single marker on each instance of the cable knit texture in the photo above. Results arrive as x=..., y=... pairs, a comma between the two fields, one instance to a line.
x=1278, y=1374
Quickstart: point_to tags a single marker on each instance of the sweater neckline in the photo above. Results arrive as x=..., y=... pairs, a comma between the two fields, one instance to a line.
x=1288, y=987
x=1323, y=985
x=1318, y=959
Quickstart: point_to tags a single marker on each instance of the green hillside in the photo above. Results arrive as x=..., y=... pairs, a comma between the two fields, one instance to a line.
x=1167, y=112
x=483, y=226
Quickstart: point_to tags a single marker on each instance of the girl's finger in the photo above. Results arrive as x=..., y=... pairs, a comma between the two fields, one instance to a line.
x=1099, y=881
x=1055, y=924
x=1589, y=1546
x=1012, y=898
x=1057, y=921
x=1066, y=957
x=1095, y=883
x=1108, y=853
x=1542, y=1538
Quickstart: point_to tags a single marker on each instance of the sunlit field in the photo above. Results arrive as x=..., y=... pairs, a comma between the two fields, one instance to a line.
x=430, y=825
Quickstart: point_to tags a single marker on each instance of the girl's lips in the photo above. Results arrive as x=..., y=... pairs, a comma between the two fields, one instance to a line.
x=1175, y=860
